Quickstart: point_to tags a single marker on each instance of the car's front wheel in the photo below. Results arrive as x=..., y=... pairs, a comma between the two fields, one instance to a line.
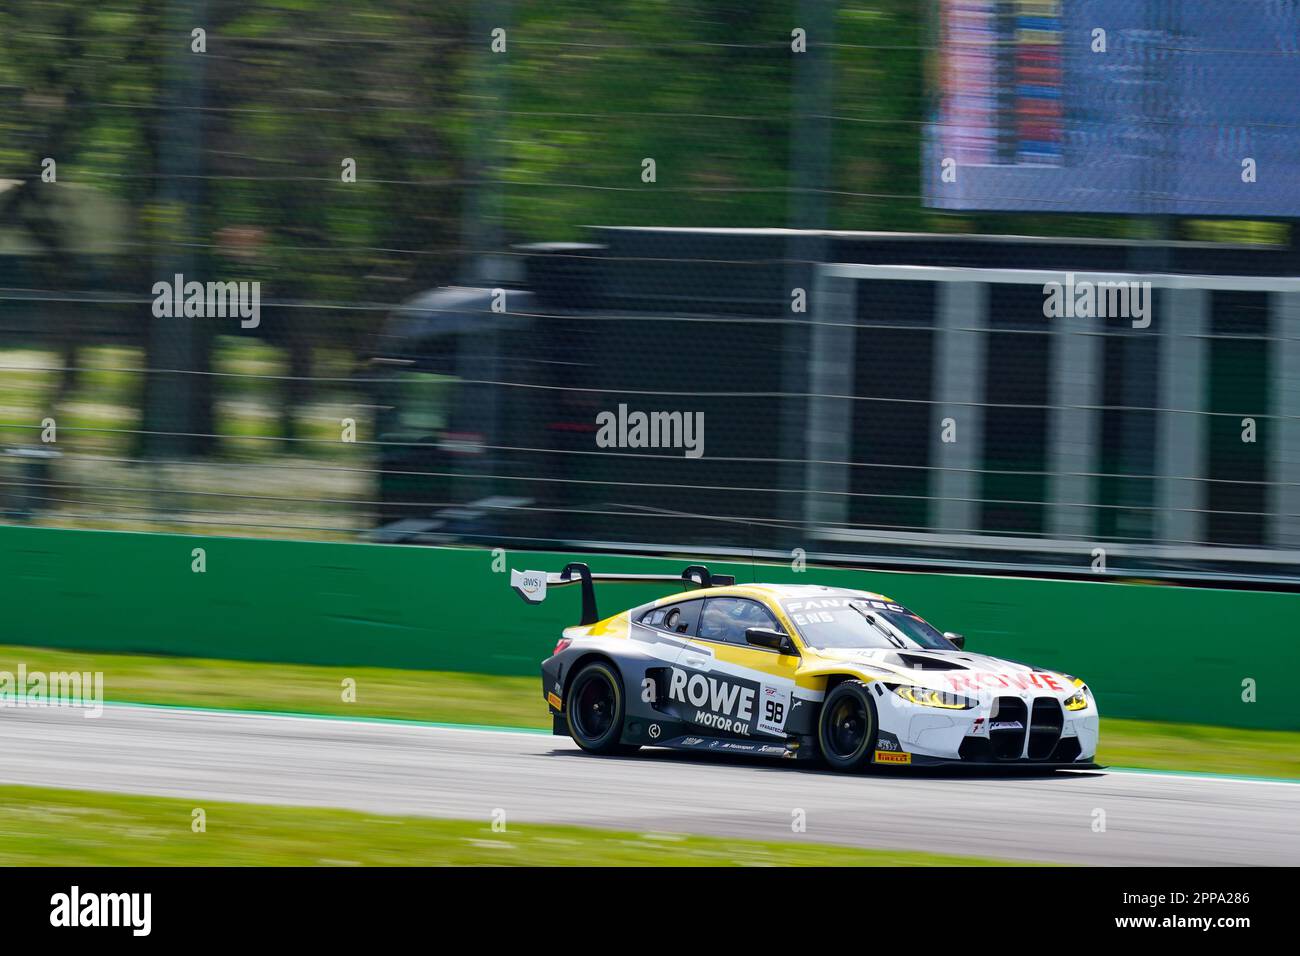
x=846, y=730
x=594, y=711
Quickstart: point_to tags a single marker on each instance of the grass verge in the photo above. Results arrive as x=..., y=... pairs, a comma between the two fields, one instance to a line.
x=41, y=827
x=446, y=697
x=439, y=696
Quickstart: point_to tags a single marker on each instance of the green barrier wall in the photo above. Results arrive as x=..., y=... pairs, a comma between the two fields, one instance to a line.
x=1149, y=651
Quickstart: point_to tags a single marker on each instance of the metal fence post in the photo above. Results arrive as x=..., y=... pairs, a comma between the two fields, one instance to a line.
x=959, y=384
x=1073, y=428
x=1181, y=429
x=1284, y=469
x=830, y=416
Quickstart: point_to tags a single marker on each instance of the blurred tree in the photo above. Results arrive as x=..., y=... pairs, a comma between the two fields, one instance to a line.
x=302, y=89
x=230, y=160
x=43, y=59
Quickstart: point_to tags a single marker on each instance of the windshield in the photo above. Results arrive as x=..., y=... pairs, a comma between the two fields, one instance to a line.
x=854, y=622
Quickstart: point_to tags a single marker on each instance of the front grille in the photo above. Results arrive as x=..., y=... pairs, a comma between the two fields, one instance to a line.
x=1067, y=751
x=1008, y=742
x=1045, y=728
x=975, y=750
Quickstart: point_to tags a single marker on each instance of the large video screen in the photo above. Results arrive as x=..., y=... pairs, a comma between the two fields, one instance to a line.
x=1188, y=107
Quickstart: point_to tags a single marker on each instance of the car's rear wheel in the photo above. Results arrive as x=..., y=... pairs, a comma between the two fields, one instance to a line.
x=846, y=730
x=594, y=711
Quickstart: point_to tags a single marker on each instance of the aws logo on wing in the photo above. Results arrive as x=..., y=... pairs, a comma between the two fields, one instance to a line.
x=530, y=585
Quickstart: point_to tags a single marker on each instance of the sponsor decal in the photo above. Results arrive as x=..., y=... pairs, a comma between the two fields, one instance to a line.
x=885, y=756
x=818, y=610
x=977, y=680
x=531, y=585
x=815, y=604
x=886, y=745
x=1006, y=725
x=554, y=700
x=742, y=746
x=654, y=731
x=726, y=724
x=774, y=705
x=722, y=704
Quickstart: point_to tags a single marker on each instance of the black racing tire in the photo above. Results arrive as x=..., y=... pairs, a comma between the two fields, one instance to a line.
x=846, y=729
x=595, y=709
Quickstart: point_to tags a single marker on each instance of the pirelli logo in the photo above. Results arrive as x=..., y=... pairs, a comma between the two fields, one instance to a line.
x=554, y=701
x=889, y=756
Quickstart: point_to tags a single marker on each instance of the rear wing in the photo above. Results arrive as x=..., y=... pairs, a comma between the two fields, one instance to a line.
x=532, y=585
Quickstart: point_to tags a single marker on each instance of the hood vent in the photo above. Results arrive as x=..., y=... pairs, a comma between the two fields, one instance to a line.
x=917, y=662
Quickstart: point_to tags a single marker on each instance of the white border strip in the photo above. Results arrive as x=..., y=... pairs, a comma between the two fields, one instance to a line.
x=851, y=270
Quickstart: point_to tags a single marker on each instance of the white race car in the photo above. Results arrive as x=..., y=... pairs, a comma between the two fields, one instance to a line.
x=799, y=671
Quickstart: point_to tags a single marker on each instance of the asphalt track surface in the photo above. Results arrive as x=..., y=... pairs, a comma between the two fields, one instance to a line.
x=394, y=768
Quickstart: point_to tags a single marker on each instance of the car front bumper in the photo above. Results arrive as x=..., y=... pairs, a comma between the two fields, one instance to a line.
x=1009, y=730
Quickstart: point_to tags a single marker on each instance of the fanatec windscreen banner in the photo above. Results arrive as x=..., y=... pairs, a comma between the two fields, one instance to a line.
x=1187, y=107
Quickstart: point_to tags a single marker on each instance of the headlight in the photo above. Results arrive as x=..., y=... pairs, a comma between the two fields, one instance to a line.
x=932, y=698
x=1079, y=700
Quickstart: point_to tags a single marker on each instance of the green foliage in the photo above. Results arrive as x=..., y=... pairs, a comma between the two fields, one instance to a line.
x=554, y=129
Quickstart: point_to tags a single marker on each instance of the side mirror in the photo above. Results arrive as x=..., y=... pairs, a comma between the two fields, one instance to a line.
x=958, y=639
x=772, y=640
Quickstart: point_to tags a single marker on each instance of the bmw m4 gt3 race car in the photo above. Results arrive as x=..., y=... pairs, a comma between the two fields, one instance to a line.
x=802, y=672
